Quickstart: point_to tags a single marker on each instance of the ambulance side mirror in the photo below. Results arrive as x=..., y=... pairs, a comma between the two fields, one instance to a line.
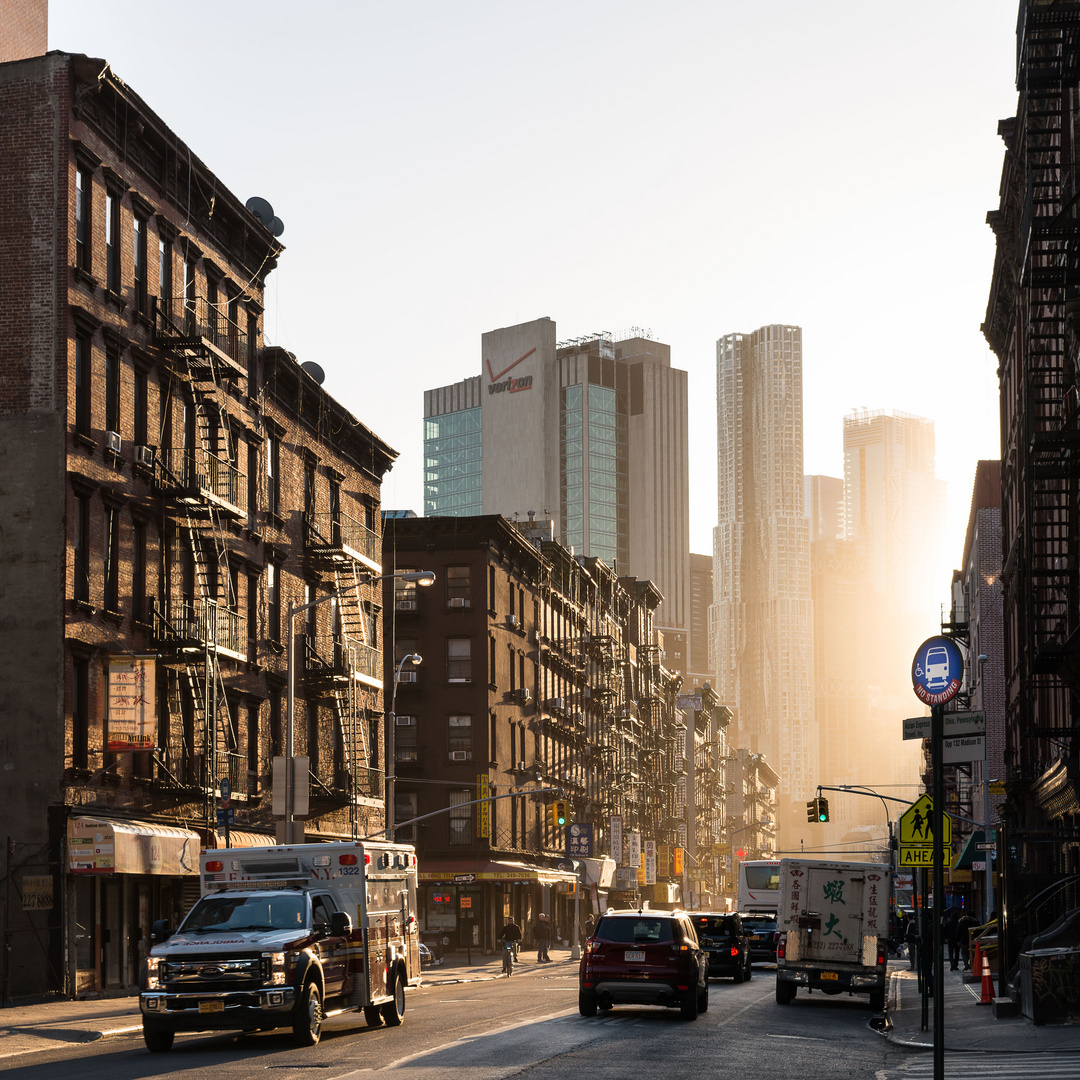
x=340, y=924
x=159, y=931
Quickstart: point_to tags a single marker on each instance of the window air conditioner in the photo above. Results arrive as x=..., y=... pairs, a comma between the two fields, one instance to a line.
x=513, y=620
x=558, y=703
x=520, y=767
x=458, y=602
x=144, y=456
x=407, y=676
x=460, y=755
x=113, y=442
x=524, y=694
x=406, y=605
x=405, y=721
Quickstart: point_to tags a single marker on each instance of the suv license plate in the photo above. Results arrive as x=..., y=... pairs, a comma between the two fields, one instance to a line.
x=633, y=954
x=211, y=1006
x=829, y=975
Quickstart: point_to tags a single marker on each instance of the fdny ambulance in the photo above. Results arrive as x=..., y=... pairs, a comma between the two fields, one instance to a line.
x=283, y=937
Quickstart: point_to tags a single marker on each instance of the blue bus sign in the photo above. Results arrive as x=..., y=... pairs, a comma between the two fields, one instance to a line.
x=937, y=672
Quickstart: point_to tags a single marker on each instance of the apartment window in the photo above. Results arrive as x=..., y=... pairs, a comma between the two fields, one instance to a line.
x=112, y=388
x=458, y=592
x=459, y=660
x=493, y=677
x=165, y=278
x=253, y=748
x=112, y=558
x=253, y=618
x=277, y=727
x=83, y=383
x=84, y=187
x=405, y=593
x=252, y=354
x=491, y=589
x=138, y=572
x=406, y=739
x=405, y=810
x=141, y=403
x=112, y=241
x=459, y=737
x=273, y=462
x=138, y=244
x=253, y=485
x=81, y=542
x=273, y=601
x=460, y=817
x=309, y=490
x=80, y=713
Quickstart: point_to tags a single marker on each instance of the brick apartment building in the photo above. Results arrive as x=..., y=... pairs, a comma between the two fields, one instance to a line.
x=168, y=486
x=539, y=670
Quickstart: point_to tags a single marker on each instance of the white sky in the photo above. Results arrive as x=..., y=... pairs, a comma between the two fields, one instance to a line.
x=693, y=168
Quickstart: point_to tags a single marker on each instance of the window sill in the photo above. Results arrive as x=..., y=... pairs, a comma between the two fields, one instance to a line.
x=274, y=519
x=84, y=277
x=87, y=441
x=115, y=300
x=144, y=320
x=115, y=617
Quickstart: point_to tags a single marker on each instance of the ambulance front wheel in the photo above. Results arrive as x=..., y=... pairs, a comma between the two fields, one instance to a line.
x=393, y=1011
x=308, y=1018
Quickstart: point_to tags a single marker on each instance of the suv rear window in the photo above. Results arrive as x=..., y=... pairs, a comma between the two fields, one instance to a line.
x=715, y=925
x=630, y=930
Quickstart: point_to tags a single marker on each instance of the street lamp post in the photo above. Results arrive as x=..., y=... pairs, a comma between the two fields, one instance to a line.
x=293, y=834
x=391, y=740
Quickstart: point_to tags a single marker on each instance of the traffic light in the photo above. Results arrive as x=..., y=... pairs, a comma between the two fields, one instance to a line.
x=811, y=810
x=560, y=813
x=823, y=809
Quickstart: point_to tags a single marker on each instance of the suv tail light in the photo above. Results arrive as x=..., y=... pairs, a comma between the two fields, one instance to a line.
x=734, y=950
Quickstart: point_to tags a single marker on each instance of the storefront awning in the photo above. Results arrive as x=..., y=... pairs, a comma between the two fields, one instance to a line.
x=466, y=871
x=100, y=846
x=970, y=852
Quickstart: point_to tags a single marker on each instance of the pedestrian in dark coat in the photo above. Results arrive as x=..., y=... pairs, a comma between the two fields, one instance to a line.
x=964, y=925
x=911, y=939
x=948, y=932
x=542, y=937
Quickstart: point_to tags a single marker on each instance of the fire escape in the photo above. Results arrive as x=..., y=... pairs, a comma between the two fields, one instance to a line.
x=196, y=623
x=1042, y=466
x=345, y=666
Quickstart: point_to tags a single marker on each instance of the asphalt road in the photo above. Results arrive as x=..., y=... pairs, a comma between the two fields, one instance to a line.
x=529, y=1024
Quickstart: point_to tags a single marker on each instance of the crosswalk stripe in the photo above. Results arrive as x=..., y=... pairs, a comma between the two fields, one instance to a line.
x=1026, y=1066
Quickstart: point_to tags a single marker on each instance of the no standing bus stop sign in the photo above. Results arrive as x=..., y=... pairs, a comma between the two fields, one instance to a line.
x=937, y=671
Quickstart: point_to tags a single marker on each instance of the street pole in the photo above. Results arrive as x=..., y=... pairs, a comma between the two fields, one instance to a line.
x=391, y=744
x=290, y=704
x=937, y=728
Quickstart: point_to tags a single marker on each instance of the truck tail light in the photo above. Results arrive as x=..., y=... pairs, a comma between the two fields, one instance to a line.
x=881, y=958
x=781, y=943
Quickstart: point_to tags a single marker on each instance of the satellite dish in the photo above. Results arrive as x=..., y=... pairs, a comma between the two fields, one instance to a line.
x=276, y=226
x=261, y=209
x=314, y=370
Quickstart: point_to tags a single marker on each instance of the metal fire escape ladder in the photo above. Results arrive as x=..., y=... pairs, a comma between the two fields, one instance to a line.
x=353, y=730
x=1049, y=454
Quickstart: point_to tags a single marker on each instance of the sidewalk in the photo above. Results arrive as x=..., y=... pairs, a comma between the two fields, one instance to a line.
x=969, y=1026
x=26, y=1028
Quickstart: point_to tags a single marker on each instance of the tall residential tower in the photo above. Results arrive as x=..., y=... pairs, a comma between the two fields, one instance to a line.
x=763, y=645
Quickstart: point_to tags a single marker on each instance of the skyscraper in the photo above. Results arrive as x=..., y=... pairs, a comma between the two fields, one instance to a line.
x=763, y=645
x=591, y=434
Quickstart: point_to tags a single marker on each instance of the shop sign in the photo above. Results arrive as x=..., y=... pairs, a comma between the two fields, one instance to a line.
x=633, y=849
x=579, y=839
x=678, y=867
x=483, y=809
x=465, y=901
x=650, y=862
x=37, y=892
x=615, y=838
x=132, y=710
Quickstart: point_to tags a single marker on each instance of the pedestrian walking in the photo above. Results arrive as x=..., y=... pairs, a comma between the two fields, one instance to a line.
x=948, y=932
x=964, y=926
x=911, y=939
x=542, y=937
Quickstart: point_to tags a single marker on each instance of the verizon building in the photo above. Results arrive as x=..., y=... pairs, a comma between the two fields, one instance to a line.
x=591, y=434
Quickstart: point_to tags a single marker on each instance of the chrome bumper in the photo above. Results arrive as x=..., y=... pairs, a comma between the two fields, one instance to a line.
x=273, y=999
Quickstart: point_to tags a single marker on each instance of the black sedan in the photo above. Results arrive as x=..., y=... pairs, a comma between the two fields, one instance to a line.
x=763, y=934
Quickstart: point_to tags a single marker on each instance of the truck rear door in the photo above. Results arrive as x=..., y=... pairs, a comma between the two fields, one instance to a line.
x=834, y=909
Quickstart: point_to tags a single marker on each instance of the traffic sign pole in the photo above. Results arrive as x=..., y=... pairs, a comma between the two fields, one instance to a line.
x=937, y=739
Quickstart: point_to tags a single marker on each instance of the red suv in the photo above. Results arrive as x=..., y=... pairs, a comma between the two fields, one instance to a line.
x=644, y=958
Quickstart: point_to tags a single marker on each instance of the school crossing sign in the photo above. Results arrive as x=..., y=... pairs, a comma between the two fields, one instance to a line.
x=917, y=836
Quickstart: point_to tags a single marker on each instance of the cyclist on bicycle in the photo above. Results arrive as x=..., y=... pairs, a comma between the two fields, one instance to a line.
x=511, y=936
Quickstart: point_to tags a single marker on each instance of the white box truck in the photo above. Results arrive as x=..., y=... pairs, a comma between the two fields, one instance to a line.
x=833, y=920
x=282, y=935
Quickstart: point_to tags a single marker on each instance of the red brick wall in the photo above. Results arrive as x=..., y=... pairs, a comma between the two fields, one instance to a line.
x=24, y=26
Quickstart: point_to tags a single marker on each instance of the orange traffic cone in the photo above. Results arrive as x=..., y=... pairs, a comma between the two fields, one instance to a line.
x=987, y=982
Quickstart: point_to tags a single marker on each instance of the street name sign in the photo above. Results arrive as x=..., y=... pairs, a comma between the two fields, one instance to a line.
x=955, y=751
x=953, y=724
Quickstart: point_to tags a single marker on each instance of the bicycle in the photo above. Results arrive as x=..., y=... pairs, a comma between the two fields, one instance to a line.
x=508, y=958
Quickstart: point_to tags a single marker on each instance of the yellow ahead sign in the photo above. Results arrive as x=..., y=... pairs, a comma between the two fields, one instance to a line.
x=917, y=823
x=921, y=856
